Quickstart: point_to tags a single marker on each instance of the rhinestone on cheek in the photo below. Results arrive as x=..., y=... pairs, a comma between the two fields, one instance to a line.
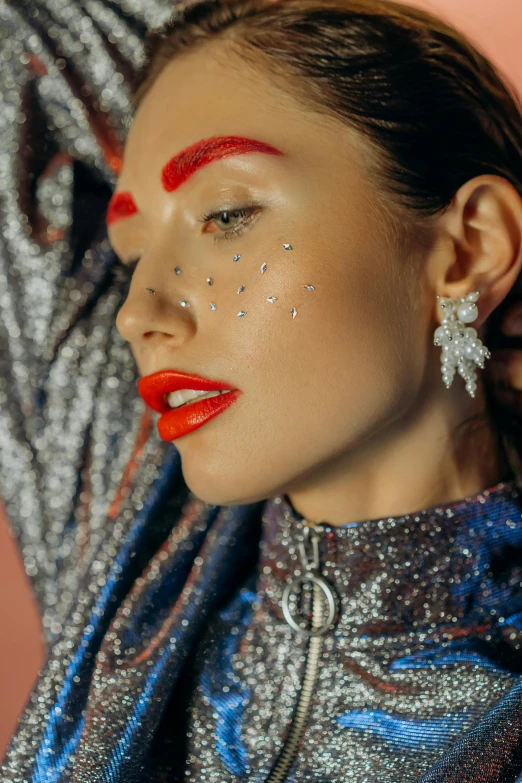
x=293, y=312
x=177, y=270
x=236, y=257
x=213, y=306
x=184, y=303
x=241, y=289
x=209, y=281
x=271, y=299
x=241, y=313
x=263, y=268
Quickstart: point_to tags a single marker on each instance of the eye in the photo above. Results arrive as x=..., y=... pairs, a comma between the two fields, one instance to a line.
x=245, y=215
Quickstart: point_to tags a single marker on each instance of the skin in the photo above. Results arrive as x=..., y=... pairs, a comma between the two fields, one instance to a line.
x=343, y=408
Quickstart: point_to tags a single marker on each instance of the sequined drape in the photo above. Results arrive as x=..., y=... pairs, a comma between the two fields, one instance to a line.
x=89, y=488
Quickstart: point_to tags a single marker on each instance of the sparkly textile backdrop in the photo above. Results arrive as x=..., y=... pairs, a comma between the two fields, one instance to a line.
x=126, y=563
x=83, y=474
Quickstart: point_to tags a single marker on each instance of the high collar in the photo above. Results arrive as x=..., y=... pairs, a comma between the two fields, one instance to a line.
x=435, y=571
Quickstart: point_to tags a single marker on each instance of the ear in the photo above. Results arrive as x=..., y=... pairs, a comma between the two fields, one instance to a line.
x=482, y=232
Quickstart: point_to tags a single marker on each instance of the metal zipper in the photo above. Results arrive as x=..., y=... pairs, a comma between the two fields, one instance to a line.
x=321, y=623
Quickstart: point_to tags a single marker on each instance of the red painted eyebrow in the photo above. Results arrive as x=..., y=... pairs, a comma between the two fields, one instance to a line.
x=121, y=205
x=188, y=161
x=183, y=165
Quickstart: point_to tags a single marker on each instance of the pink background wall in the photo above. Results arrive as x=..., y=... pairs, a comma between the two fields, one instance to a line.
x=496, y=27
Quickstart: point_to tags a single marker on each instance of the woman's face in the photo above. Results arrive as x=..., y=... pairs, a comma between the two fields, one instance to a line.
x=317, y=388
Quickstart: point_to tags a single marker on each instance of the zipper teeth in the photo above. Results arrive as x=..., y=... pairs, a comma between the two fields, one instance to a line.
x=287, y=755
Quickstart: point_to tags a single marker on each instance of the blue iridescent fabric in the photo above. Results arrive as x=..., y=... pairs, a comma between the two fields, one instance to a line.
x=418, y=676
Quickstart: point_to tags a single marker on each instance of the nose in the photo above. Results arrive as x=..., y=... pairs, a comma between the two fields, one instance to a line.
x=146, y=320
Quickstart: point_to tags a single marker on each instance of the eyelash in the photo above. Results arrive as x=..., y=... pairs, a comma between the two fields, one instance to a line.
x=124, y=270
x=245, y=210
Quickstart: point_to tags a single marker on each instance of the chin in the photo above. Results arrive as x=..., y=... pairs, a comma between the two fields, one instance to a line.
x=222, y=489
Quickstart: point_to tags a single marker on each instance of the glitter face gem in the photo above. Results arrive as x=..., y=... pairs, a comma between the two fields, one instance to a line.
x=150, y=290
x=263, y=268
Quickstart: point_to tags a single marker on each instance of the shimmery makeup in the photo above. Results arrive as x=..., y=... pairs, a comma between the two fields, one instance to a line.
x=121, y=205
x=263, y=268
x=183, y=165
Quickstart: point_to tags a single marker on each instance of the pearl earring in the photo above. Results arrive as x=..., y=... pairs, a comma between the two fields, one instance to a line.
x=462, y=349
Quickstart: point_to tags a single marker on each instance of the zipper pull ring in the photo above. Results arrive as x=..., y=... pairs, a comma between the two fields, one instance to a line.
x=311, y=574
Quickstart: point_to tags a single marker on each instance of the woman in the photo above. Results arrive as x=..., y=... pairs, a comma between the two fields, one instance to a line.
x=313, y=575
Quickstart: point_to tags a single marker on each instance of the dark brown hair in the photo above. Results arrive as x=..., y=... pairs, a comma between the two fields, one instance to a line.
x=434, y=111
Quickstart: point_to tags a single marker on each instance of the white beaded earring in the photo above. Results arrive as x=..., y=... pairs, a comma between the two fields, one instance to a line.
x=462, y=349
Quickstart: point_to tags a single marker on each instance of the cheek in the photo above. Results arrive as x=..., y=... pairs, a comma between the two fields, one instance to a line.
x=350, y=361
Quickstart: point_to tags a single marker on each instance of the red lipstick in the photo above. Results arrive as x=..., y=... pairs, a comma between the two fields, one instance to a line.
x=176, y=422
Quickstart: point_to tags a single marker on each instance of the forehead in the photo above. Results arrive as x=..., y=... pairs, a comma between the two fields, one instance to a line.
x=213, y=93
x=203, y=94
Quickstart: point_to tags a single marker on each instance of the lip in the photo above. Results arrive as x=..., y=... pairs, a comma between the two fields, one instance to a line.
x=176, y=422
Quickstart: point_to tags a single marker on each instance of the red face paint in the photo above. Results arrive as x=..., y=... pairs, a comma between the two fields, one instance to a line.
x=189, y=160
x=121, y=205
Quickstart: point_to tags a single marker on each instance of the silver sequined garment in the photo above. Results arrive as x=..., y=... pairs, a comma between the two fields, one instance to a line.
x=426, y=643
x=127, y=565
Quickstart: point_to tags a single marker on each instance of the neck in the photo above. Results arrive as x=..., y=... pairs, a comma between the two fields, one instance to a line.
x=431, y=456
